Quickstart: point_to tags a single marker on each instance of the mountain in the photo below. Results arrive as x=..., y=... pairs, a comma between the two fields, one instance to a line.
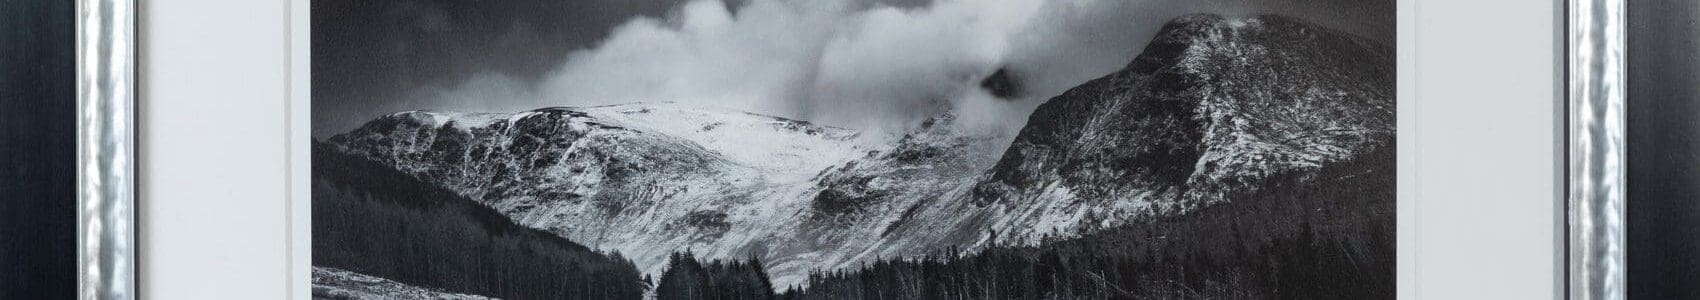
x=383, y=230
x=1324, y=234
x=1215, y=109
x=1211, y=109
x=1234, y=158
x=644, y=179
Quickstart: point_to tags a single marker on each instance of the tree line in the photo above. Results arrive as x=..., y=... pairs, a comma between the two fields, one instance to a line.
x=1322, y=235
x=371, y=219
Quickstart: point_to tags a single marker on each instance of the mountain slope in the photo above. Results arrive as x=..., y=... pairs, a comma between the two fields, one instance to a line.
x=1324, y=234
x=377, y=222
x=1211, y=111
x=642, y=179
x=1208, y=111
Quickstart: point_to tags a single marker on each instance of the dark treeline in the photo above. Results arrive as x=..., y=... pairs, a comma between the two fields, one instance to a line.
x=371, y=219
x=1324, y=236
x=688, y=278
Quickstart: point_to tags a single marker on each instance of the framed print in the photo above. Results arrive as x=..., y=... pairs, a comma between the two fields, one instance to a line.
x=1594, y=147
x=66, y=140
x=1631, y=173
x=853, y=149
x=106, y=145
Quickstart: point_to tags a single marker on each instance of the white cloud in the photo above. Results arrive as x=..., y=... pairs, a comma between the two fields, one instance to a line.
x=848, y=63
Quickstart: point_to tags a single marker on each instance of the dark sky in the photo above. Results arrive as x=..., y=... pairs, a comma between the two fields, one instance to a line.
x=369, y=55
x=371, y=58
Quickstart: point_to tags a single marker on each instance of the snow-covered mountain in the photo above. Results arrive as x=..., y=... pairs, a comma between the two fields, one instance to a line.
x=641, y=179
x=1209, y=109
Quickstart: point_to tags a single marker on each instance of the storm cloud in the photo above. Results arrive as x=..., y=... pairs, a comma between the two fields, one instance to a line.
x=858, y=64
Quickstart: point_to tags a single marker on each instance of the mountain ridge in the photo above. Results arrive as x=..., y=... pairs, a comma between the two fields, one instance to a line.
x=1195, y=108
x=1209, y=110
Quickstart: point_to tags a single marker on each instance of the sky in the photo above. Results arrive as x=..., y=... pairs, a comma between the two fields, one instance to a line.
x=866, y=64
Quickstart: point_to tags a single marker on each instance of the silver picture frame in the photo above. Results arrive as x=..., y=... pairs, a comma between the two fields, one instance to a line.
x=1594, y=149
x=106, y=131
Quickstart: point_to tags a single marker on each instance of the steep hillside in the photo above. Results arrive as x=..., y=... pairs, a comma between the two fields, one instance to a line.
x=1210, y=109
x=1326, y=234
x=377, y=222
x=644, y=179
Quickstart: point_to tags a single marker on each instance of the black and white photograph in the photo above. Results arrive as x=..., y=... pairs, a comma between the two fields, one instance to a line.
x=853, y=149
